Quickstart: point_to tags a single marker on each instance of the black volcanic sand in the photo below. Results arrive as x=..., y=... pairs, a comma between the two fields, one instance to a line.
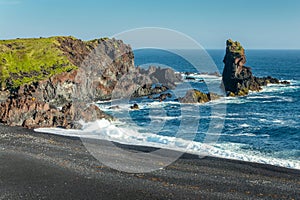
x=41, y=166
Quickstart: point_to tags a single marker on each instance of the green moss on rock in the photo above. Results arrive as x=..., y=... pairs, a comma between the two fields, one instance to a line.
x=196, y=96
x=235, y=47
x=231, y=94
x=243, y=92
x=200, y=96
x=23, y=61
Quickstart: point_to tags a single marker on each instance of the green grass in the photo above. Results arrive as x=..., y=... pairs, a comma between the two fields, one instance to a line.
x=235, y=47
x=23, y=61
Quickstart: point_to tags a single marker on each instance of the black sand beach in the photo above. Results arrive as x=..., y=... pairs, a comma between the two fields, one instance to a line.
x=41, y=166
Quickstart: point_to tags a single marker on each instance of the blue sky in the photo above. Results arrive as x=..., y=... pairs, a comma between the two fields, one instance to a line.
x=268, y=24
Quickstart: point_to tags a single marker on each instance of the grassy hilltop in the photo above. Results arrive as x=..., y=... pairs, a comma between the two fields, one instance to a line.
x=23, y=61
x=27, y=60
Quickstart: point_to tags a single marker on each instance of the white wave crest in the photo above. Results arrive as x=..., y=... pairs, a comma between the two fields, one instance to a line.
x=118, y=132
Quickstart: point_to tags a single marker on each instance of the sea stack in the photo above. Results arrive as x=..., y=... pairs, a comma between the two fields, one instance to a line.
x=237, y=78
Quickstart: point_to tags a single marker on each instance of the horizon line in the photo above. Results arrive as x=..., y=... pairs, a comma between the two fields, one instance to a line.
x=209, y=48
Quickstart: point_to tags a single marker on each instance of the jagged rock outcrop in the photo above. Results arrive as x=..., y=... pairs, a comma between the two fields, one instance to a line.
x=164, y=76
x=237, y=78
x=195, y=96
x=24, y=109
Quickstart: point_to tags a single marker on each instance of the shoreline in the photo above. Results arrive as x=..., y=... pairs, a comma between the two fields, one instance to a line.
x=205, y=151
x=38, y=166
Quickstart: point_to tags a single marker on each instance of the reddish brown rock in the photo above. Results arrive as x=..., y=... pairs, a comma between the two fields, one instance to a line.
x=39, y=114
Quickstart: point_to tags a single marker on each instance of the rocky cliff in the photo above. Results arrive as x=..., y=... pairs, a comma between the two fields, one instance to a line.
x=237, y=78
x=48, y=82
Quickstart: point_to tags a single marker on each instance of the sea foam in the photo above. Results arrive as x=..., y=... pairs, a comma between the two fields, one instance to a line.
x=118, y=132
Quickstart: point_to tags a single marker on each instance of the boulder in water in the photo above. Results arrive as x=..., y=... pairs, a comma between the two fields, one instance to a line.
x=135, y=107
x=195, y=96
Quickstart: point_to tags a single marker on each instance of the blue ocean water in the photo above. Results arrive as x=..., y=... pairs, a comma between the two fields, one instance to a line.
x=265, y=123
x=261, y=127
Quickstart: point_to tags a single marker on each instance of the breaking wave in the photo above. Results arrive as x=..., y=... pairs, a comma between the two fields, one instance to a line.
x=118, y=132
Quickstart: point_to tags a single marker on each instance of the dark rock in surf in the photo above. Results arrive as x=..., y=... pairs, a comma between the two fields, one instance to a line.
x=195, y=96
x=163, y=97
x=135, y=107
x=190, y=78
x=285, y=82
x=238, y=79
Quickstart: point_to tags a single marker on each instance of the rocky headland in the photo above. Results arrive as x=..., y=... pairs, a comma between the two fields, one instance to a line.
x=51, y=82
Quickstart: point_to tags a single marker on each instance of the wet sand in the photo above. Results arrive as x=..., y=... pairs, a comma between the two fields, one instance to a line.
x=41, y=166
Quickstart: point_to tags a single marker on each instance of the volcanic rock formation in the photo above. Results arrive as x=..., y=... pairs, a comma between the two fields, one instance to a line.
x=237, y=78
x=51, y=82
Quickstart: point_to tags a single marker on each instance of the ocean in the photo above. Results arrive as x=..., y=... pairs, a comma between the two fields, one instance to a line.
x=262, y=127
